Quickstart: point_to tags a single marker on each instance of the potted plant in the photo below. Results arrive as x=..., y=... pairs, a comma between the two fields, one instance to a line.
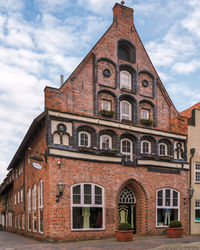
x=129, y=122
x=108, y=151
x=106, y=113
x=146, y=122
x=175, y=229
x=124, y=232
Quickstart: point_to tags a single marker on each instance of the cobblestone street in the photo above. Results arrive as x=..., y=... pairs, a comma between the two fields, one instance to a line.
x=11, y=241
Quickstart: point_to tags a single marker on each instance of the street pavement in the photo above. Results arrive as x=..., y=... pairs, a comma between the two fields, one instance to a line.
x=11, y=241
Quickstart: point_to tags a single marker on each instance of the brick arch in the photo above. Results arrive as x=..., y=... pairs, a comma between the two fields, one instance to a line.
x=90, y=130
x=133, y=138
x=152, y=140
x=141, y=204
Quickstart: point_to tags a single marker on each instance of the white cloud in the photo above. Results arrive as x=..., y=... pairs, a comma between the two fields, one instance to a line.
x=96, y=6
x=187, y=67
x=11, y=5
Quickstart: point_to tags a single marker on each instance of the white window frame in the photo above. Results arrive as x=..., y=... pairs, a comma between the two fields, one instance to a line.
x=10, y=219
x=22, y=195
x=102, y=137
x=40, y=203
x=171, y=202
x=106, y=105
x=29, y=208
x=34, y=199
x=197, y=172
x=79, y=138
x=149, y=147
x=15, y=200
x=23, y=222
x=131, y=149
x=18, y=197
x=126, y=116
x=159, y=148
x=88, y=205
x=19, y=221
x=196, y=207
x=145, y=113
x=126, y=85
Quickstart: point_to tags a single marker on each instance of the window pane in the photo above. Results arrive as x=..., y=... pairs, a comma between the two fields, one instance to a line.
x=160, y=198
x=76, y=190
x=41, y=219
x=175, y=198
x=87, y=217
x=87, y=194
x=197, y=214
x=165, y=216
x=167, y=197
x=76, y=195
x=98, y=191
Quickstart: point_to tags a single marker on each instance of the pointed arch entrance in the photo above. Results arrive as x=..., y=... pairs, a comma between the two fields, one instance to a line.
x=132, y=206
x=126, y=207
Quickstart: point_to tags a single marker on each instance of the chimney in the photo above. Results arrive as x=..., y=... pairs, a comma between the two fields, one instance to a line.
x=123, y=14
x=61, y=80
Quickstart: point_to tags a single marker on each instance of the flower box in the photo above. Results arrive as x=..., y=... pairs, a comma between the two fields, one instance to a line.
x=124, y=236
x=127, y=121
x=108, y=151
x=106, y=113
x=166, y=157
x=174, y=232
x=149, y=156
x=146, y=122
x=86, y=149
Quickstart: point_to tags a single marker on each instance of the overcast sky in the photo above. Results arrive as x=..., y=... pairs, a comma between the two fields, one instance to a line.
x=41, y=39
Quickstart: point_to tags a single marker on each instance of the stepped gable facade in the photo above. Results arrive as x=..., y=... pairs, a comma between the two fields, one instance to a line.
x=113, y=137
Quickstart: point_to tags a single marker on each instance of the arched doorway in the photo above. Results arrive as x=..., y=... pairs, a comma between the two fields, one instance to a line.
x=127, y=207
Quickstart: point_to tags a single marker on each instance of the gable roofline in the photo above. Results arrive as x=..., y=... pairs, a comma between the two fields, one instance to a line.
x=25, y=141
x=188, y=112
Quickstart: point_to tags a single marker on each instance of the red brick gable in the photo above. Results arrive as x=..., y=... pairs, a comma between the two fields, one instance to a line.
x=188, y=112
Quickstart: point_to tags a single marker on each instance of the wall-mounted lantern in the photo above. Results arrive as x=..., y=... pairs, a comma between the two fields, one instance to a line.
x=61, y=188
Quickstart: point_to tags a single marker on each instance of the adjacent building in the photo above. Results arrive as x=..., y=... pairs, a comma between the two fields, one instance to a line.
x=109, y=147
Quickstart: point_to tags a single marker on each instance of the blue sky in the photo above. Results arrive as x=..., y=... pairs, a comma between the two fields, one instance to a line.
x=41, y=39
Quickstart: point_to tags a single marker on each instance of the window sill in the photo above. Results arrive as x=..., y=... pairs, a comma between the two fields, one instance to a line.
x=87, y=229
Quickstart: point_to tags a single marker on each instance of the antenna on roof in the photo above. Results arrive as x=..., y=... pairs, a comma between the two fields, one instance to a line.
x=122, y=2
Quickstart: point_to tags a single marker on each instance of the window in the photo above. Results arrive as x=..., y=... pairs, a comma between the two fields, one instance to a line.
x=126, y=149
x=29, y=209
x=19, y=222
x=3, y=219
x=22, y=195
x=146, y=147
x=34, y=208
x=105, y=142
x=125, y=79
x=18, y=197
x=15, y=221
x=87, y=207
x=15, y=199
x=162, y=149
x=9, y=219
x=84, y=139
x=145, y=114
x=167, y=206
x=106, y=105
x=197, y=210
x=23, y=222
x=40, y=206
x=197, y=172
x=125, y=110
x=124, y=53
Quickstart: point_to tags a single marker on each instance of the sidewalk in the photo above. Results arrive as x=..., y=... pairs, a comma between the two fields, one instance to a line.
x=11, y=241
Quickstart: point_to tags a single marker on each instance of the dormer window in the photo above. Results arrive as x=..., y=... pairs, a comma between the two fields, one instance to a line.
x=84, y=139
x=125, y=79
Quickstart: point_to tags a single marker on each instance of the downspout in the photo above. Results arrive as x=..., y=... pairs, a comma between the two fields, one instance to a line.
x=192, y=152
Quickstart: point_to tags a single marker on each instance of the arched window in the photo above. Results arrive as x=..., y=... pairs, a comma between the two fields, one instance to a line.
x=40, y=206
x=125, y=79
x=127, y=149
x=124, y=52
x=126, y=196
x=125, y=110
x=145, y=147
x=29, y=209
x=162, y=149
x=34, y=207
x=105, y=142
x=84, y=139
x=167, y=205
x=87, y=207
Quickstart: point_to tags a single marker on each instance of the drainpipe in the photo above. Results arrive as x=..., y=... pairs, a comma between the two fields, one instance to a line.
x=192, y=152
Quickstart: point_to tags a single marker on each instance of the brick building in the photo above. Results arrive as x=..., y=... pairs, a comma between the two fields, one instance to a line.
x=113, y=137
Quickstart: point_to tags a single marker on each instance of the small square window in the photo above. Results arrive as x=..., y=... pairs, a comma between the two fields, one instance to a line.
x=145, y=114
x=106, y=105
